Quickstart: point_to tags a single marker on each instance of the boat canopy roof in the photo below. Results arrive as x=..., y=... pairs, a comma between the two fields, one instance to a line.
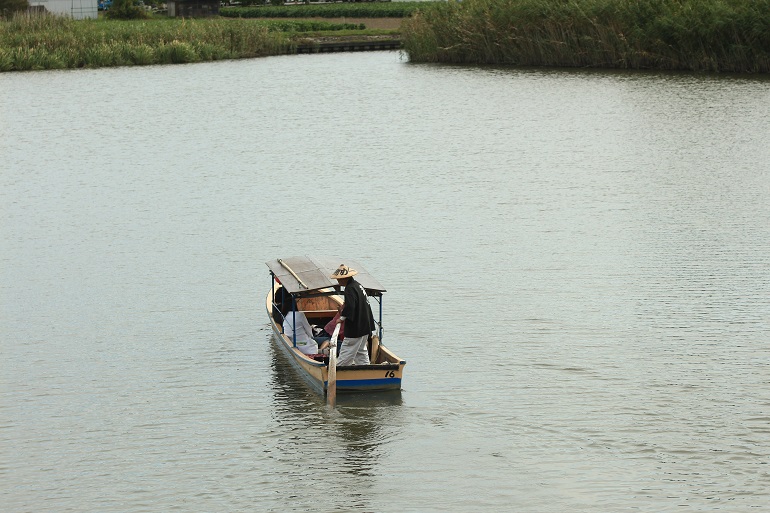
x=304, y=274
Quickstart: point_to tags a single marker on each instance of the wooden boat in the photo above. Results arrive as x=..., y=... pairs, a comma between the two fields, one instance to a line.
x=306, y=284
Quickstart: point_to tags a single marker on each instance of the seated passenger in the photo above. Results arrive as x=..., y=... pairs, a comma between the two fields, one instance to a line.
x=328, y=331
x=281, y=304
x=305, y=340
x=329, y=328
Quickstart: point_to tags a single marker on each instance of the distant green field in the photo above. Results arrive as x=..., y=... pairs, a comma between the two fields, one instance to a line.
x=330, y=10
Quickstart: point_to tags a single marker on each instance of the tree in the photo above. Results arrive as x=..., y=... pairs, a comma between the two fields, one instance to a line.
x=125, y=10
x=8, y=7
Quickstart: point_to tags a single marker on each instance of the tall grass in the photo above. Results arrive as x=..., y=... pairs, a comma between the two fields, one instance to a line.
x=33, y=42
x=699, y=35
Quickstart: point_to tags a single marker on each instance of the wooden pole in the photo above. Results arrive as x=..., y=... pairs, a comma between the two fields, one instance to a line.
x=285, y=266
x=331, y=384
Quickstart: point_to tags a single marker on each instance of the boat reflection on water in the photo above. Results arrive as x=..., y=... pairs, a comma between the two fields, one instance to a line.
x=352, y=437
x=370, y=399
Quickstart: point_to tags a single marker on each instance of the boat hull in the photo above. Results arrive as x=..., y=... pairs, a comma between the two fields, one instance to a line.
x=356, y=378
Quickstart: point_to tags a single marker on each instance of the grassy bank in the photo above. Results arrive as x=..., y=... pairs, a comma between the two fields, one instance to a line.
x=331, y=10
x=698, y=35
x=34, y=42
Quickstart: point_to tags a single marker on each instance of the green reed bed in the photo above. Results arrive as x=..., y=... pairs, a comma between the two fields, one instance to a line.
x=330, y=10
x=34, y=42
x=698, y=35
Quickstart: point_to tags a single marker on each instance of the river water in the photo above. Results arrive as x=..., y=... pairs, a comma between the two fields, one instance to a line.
x=577, y=264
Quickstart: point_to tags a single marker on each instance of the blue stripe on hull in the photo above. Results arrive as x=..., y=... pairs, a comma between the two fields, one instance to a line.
x=368, y=384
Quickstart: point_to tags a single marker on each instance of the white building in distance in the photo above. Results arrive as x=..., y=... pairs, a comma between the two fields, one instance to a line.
x=77, y=9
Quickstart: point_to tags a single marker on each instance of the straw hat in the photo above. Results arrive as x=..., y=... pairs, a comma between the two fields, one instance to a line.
x=343, y=272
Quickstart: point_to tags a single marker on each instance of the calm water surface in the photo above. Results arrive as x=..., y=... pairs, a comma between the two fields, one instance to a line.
x=578, y=266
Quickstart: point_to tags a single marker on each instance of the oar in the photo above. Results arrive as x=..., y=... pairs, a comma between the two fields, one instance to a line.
x=331, y=385
x=286, y=266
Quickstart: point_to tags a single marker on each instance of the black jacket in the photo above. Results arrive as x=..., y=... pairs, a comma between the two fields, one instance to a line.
x=359, y=320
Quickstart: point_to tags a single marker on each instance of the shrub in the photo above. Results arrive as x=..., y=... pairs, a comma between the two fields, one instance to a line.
x=176, y=52
x=142, y=54
x=8, y=7
x=126, y=10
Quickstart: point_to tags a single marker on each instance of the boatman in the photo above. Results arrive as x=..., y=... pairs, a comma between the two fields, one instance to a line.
x=359, y=321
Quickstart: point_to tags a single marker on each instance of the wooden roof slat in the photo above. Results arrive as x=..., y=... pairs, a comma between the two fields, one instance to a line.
x=315, y=273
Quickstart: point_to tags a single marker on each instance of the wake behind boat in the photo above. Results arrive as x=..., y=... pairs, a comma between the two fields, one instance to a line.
x=304, y=284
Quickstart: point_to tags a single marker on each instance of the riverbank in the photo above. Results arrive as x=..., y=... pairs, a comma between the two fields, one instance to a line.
x=693, y=35
x=50, y=42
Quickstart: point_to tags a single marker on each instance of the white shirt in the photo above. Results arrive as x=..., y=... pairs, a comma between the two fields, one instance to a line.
x=305, y=342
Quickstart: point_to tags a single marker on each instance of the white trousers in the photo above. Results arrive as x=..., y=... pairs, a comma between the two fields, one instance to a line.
x=354, y=352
